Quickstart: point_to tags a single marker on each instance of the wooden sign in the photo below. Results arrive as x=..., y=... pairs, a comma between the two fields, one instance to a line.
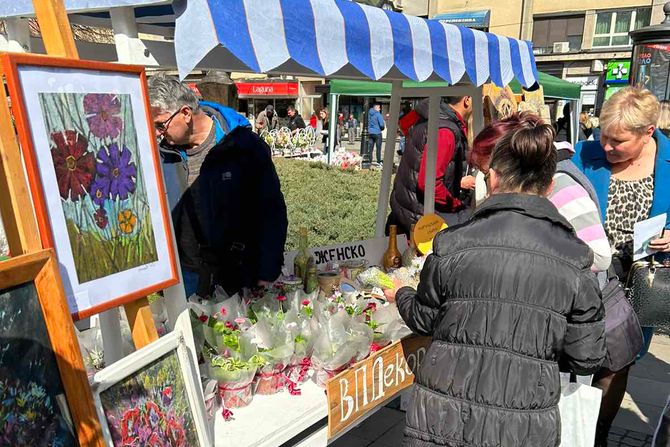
x=373, y=381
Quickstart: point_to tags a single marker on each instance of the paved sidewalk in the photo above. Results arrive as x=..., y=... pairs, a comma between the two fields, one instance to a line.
x=648, y=389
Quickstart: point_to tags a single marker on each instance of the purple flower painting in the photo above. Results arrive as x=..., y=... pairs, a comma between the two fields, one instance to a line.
x=102, y=114
x=116, y=172
x=95, y=153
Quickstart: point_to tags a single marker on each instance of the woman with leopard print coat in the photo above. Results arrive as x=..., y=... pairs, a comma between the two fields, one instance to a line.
x=630, y=170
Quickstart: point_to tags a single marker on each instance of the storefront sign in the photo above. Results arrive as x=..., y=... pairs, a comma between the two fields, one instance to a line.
x=373, y=381
x=261, y=89
x=371, y=250
x=651, y=66
x=618, y=72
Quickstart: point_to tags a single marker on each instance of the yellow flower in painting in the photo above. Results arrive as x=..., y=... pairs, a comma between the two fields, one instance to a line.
x=127, y=221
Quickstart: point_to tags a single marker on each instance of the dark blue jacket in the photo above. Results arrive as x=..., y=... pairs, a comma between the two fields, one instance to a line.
x=241, y=203
x=375, y=122
x=591, y=159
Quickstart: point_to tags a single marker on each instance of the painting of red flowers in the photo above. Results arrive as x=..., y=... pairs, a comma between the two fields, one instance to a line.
x=150, y=407
x=94, y=149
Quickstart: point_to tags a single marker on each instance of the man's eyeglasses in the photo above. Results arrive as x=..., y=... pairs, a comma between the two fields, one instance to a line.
x=162, y=126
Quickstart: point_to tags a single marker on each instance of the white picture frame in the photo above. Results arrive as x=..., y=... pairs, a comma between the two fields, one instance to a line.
x=181, y=342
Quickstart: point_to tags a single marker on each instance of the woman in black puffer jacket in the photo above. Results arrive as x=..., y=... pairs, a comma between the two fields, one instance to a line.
x=507, y=297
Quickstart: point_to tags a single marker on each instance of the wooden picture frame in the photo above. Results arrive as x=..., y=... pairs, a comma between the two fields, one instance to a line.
x=94, y=172
x=30, y=284
x=136, y=382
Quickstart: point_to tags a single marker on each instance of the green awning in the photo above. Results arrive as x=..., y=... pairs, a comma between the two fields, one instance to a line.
x=554, y=87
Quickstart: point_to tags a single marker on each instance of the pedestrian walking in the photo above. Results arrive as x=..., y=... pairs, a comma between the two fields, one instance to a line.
x=376, y=125
x=351, y=125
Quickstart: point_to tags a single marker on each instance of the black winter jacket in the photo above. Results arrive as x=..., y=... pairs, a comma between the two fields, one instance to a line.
x=242, y=213
x=506, y=297
x=406, y=199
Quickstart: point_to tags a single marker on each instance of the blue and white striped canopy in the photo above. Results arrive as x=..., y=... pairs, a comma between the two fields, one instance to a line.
x=340, y=38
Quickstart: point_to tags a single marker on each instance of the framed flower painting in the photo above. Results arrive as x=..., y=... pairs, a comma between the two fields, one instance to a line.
x=93, y=167
x=153, y=397
x=44, y=390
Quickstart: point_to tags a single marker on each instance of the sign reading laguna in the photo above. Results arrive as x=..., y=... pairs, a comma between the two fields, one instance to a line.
x=277, y=89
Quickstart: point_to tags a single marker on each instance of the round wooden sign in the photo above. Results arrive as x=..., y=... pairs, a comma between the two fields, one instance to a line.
x=425, y=230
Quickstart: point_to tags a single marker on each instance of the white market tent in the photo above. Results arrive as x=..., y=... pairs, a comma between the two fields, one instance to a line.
x=325, y=38
x=343, y=39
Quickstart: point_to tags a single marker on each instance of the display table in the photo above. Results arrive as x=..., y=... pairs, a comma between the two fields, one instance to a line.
x=311, y=419
x=270, y=421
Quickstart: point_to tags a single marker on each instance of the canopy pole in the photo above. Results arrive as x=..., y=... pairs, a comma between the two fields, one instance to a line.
x=129, y=48
x=332, y=125
x=431, y=155
x=18, y=35
x=477, y=110
x=389, y=154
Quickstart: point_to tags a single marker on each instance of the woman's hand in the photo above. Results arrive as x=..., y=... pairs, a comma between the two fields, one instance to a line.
x=390, y=293
x=661, y=244
x=468, y=182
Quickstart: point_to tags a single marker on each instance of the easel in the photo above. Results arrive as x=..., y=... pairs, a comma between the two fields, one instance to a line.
x=16, y=205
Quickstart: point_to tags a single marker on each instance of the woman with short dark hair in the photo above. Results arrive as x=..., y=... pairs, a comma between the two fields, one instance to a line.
x=506, y=297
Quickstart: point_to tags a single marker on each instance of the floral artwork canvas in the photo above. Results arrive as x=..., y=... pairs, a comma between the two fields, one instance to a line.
x=33, y=400
x=151, y=407
x=94, y=149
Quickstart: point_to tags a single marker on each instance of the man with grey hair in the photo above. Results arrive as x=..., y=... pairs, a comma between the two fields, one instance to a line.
x=227, y=206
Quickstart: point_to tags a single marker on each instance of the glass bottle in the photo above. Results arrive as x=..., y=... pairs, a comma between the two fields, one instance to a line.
x=302, y=259
x=410, y=252
x=392, y=257
x=311, y=279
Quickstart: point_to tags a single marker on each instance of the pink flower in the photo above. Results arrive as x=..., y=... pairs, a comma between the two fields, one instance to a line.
x=229, y=325
x=223, y=312
x=305, y=303
x=240, y=320
x=281, y=298
x=372, y=307
x=102, y=114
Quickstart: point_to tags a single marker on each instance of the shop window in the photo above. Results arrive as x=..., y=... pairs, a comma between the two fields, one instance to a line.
x=550, y=30
x=612, y=27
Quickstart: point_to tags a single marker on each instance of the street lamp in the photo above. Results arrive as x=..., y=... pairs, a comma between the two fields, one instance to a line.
x=651, y=57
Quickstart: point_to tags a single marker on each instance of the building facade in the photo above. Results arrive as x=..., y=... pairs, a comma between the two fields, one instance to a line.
x=582, y=41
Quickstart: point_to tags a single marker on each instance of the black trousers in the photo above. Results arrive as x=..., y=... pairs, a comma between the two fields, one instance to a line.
x=375, y=139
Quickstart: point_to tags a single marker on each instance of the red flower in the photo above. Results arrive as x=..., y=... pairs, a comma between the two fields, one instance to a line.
x=155, y=440
x=167, y=396
x=176, y=434
x=129, y=426
x=203, y=318
x=74, y=165
x=305, y=303
x=152, y=415
x=281, y=298
x=100, y=217
x=371, y=307
x=229, y=325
